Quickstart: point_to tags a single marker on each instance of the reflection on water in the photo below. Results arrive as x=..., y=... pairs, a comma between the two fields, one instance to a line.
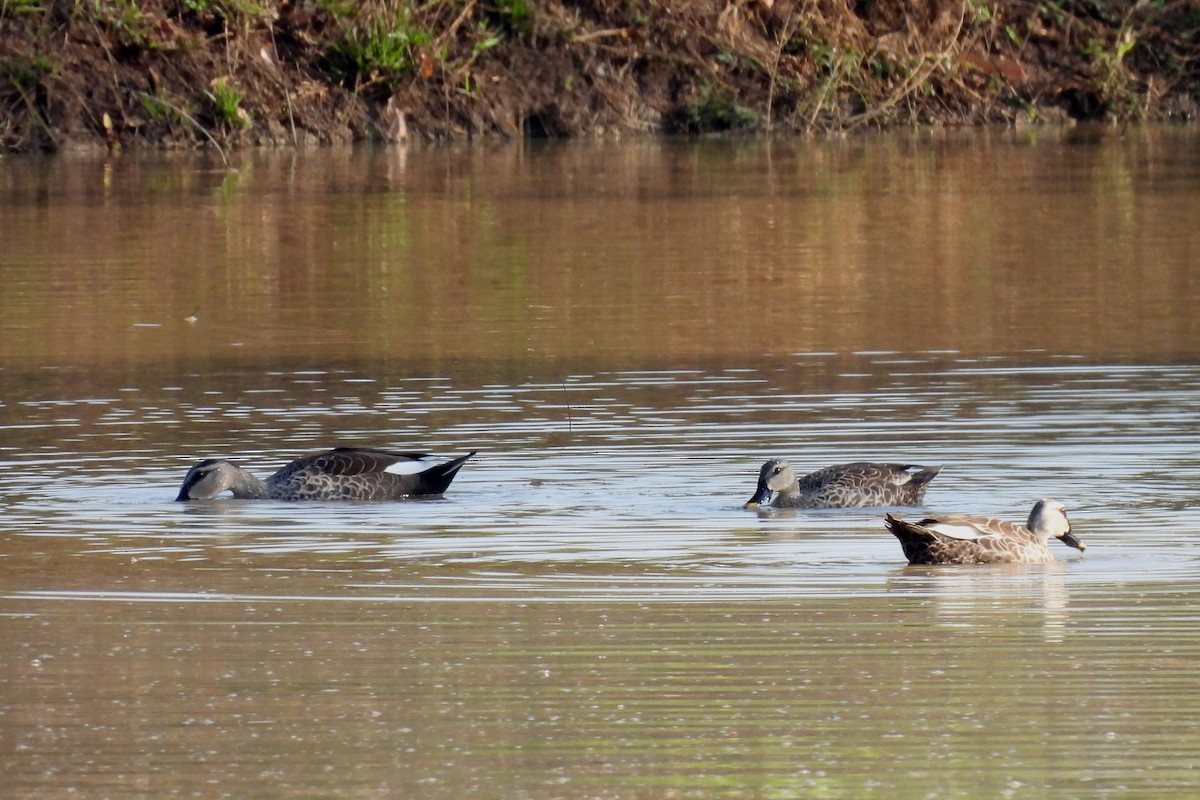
x=978, y=599
x=551, y=700
x=625, y=333
x=639, y=255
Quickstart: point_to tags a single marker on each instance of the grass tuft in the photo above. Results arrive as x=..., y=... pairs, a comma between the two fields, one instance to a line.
x=375, y=43
x=227, y=99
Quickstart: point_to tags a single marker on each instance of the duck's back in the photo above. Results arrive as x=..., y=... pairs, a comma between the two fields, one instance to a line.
x=863, y=484
x=348, y=473
x=963, y=539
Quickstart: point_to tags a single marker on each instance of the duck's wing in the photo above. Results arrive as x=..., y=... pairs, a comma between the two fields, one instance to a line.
x=898, y=474
x=959, y=526
x=964, y=539
x=350, y=461
x=983, y=526
x=355, y=473
x=412, y=473
x=924, y=543
x=864, y=483
x=867, y=473
x=849, y=475
x=996, y=539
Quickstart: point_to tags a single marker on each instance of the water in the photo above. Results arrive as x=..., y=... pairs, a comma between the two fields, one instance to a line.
x=624, y=333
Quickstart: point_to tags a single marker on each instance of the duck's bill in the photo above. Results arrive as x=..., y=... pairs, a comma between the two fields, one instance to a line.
x=761, y=497
x=1071, y=540
x=185, y=491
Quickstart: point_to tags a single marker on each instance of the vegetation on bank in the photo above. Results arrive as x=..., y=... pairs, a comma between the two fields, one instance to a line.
x=298, y=72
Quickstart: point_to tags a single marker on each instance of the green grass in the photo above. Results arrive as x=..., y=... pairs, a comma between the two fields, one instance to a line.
x=159, y=108
x=1114, y=83
x=375, y=45
x=228, y=8
x=20, y=7
x=716, y=111
x=24, y=72
x=227, y=99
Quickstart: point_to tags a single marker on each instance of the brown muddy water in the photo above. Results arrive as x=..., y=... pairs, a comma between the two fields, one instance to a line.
x=624, y=332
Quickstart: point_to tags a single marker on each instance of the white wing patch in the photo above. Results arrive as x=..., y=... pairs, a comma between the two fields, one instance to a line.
x=956, y=531
x=411, y=467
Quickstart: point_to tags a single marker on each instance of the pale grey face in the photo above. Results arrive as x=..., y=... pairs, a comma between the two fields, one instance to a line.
x=777, y=474
x=206, y=480
x=1049, y=518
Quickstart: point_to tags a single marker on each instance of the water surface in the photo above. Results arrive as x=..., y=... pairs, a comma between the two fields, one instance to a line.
x=624, y=332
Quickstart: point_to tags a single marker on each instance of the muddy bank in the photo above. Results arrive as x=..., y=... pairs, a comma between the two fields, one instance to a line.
x=185, y=73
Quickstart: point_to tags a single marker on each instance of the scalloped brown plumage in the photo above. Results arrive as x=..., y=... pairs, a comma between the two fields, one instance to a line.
x=856, y=485
x=965, y=539
x=344, y=473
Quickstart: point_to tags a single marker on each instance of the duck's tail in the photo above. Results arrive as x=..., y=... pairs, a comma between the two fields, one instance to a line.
x=923, y=475
x=895, y=525
x=914, y=540
x=437, y=478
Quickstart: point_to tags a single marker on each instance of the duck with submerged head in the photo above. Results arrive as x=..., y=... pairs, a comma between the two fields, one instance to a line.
x=344, y=473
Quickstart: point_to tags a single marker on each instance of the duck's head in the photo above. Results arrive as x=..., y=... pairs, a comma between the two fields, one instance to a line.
x=207, y=480
x=1049, y=518
x=775, y=476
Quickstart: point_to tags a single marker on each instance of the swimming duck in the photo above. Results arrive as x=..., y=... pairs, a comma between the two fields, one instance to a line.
x=842, y=486
x=344, y=473
x=962, y=539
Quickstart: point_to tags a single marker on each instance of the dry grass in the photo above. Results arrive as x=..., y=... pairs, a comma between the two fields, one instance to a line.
x=290, y=73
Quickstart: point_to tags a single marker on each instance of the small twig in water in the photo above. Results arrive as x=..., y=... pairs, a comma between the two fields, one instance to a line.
x=591, y=35
x=567, y=403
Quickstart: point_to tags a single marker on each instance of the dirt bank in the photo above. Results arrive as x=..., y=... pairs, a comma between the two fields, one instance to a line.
x=183, y=73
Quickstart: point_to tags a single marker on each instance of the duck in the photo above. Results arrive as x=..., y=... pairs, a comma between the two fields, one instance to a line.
x=964, y=539
x=344, y=473
x=842, y=486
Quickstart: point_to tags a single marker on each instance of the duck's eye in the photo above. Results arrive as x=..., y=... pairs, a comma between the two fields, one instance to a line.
x=777, y=470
